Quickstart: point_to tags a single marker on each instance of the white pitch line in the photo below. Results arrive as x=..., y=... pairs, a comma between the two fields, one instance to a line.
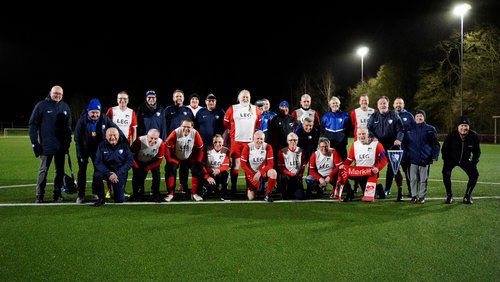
x=90, y=204
x=162, y=179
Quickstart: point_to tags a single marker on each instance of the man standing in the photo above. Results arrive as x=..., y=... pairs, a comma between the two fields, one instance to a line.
x=174, y=115
x=194, y=104
x=150, y=115
x=210, y=120
x=461, y=148
x=422, y=145
x=305, y=111
x=308, y=137
x=279, y=127
x=408, y=121
x=335, y=125
x=90, y=131
x=50, y=136
x=124, y=117
x=386, y=126
x=241, y=119
x=359, y=116
x=265, y=116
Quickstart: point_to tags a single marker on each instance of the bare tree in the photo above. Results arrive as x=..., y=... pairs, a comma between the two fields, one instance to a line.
x=325, y=86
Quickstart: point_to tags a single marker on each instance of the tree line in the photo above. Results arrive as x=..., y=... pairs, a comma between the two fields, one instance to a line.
x=431, y=81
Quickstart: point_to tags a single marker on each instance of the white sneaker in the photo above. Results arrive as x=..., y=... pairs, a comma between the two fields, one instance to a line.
x=80, y=200
x=196, y=197
x=169, y=197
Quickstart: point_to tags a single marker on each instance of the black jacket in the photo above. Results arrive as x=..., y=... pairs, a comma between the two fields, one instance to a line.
x=86, y=145
x=456, y=150
x=50, y=126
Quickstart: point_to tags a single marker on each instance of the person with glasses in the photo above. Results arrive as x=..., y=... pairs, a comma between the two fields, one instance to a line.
x=323, y=166
x=210, y=120
x=112, y=163
x=184, y=147
x=150, y=115
x=124, y=117
x=216, y=168
x=291, y=164
x=50, y=136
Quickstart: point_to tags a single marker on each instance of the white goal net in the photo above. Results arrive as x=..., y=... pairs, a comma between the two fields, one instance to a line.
x=9, y=132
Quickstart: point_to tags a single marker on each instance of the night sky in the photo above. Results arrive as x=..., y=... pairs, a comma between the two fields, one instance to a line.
x=216, y=49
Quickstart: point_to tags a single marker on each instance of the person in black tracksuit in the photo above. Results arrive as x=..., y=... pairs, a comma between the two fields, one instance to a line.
x=113, y=160
x=150, y=115
x=461, y=148
x=387, y=127
x=50, y=136
x=174, y=115
x=308, y=137
x=279, y=127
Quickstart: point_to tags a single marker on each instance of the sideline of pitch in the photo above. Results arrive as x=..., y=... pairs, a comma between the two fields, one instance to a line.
x=214, y=202
x=162, y=179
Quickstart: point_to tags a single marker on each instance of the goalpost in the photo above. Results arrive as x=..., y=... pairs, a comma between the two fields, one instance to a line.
x=11, y=132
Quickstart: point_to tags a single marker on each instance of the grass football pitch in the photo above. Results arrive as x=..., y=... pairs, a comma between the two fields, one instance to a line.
x=241, y=240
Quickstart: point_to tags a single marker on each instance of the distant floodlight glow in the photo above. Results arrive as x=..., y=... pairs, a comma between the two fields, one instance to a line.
x=461, y=9
x=362, y=51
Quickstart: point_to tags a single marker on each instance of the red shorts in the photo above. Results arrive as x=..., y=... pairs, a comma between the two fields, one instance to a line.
x=237, y=148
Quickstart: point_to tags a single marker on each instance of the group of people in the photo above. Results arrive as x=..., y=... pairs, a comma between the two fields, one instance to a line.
x=272, y=149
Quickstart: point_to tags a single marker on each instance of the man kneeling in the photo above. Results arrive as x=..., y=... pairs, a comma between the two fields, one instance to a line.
x=112, y=162
x=257, y=162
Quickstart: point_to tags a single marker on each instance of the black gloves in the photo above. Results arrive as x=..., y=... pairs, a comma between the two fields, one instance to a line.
x=37, y=149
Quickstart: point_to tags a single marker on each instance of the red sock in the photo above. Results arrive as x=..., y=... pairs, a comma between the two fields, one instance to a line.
x=270, y=185
x=194, y=185
x=170, y=184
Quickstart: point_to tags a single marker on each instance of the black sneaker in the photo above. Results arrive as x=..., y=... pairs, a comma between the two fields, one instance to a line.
x=268, y=199
x=58, y=199
x=38, y=200
x=399, y=198
x=468, y=200
x=413, y=200
x=380, y=191
x=99, y=202
x=158, y=199
x=449, y=199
